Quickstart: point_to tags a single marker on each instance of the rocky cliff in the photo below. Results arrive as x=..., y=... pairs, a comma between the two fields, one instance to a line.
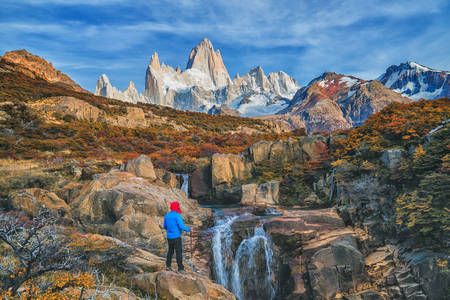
x=416, y=81
x=36, y=66
x=204, y=83
x=334, y=101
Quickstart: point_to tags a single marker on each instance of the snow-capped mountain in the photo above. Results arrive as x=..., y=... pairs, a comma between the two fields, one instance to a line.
x=256, y=94
x=205, y=83
x=416, y=81
x=105, y=88
x=335, y=101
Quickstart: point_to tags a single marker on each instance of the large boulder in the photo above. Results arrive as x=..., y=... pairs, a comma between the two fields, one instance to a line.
x=228, y=195
x=141, y=166
x=31, y=201
x=259, y=151
x=368, y=295
x=313, y=145
x=336, y=268
x=191, y=286
x=274, y=152
x=200, y=185
x=168, y=178
x=310, y=245
x=132, y=209
x=229, y=170
x=79, y=109
x=260, y=194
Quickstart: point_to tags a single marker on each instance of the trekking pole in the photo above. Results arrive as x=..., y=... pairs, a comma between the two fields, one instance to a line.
x=192, y=249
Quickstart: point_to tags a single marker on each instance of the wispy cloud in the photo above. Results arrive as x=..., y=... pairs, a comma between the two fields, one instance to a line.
x=303, y=38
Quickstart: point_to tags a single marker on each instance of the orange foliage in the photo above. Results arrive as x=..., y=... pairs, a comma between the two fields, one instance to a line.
x=397, y=124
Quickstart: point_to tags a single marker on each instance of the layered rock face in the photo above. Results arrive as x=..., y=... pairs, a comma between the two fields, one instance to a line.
x=320, y=258
x=334, y=101
x=205, y=83
x=406, y=271
x=225, y=177
x=42, y=69
x=416, y=81
x=78, y=109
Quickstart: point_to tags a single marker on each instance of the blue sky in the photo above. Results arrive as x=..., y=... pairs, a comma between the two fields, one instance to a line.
x=85, y=38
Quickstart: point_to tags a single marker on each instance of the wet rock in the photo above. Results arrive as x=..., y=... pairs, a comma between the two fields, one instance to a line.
x=229, y=195
x=141, y=166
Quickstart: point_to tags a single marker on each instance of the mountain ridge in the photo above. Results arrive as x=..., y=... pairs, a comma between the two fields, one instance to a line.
x=205, y=82
x=335, y=101
x=416, y=81
x=41, y=68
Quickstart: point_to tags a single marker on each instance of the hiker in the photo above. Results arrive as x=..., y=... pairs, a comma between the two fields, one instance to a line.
x=173, y=223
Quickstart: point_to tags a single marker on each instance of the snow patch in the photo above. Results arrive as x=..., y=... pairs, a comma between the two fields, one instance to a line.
x=257, y=106
x=419, y=67
x=348, y=81
x=323, y=83
x=172, y=80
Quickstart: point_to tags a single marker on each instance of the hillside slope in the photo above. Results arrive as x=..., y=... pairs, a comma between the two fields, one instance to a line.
x=77, y=124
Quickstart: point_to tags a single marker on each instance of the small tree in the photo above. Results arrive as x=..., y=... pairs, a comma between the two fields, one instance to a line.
x=32, y=248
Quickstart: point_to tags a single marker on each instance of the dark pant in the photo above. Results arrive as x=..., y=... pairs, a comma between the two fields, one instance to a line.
x=175, y=245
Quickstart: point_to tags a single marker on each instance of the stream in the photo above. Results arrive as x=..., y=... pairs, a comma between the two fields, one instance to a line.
x=242, y=253
x=243, y=256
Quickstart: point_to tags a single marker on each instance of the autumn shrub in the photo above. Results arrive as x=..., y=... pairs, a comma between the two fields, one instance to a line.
x=41, y=260
x=27, y=179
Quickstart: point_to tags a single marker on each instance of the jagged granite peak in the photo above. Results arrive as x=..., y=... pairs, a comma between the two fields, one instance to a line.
x=206, y=83
x=417, y=81
x=154, y=61
x=131, y=87
x=105, y=89
x=204, y=58
x=335, y=101
x=41, y=69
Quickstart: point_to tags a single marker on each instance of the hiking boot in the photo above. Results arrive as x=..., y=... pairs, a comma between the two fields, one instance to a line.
x=168, y=269
x=182, y=271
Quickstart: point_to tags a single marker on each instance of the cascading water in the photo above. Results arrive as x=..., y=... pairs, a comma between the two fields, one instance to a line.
x=249, y=273
x=252, y=269
x=223, y=255
x=185, y=184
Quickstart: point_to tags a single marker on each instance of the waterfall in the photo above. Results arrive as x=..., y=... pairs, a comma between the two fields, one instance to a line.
x=185, y=184
x=249, y=273
x=222, y=248
x=252, y=268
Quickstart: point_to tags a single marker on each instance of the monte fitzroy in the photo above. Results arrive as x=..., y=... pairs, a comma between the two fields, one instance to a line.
x=329, y=102
x=205, y=83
